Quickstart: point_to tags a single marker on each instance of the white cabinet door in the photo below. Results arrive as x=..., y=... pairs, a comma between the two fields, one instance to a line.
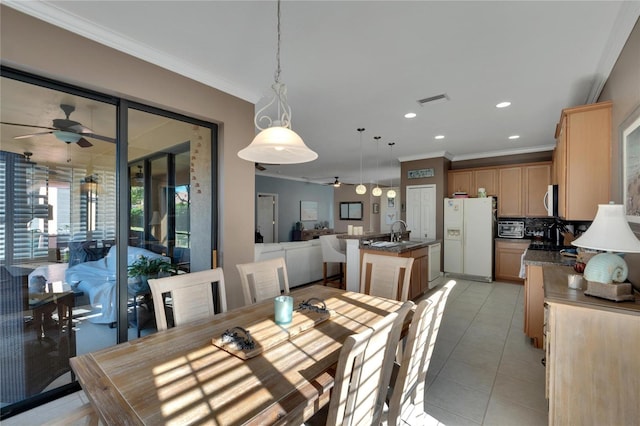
x=421, y=211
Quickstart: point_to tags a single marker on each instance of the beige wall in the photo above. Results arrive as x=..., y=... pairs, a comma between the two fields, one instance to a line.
x=441, y=166
x=32, y=45
x=623, y=88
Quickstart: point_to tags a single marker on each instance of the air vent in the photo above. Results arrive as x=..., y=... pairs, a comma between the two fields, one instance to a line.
x=433, y=99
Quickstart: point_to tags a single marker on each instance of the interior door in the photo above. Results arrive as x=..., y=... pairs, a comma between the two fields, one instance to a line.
x=421, y=211
x=267, y=218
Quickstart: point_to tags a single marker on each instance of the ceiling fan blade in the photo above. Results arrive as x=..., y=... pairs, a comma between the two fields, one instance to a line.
x=33, y=134
x=260, y=167
x=82, y=142
x=100, y=137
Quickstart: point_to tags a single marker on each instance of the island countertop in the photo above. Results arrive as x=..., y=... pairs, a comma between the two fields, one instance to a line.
x=397, y=247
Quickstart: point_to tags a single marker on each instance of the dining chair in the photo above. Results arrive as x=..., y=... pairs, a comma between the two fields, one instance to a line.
x=405, y=404
x=191, y=296
x=381, y=276
x=361, y=370
x=263, y=280
x=331, y=253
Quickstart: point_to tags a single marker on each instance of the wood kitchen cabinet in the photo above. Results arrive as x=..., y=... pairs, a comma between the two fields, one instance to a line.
x=583, y=160
x=487, y=179
x=536, y=180
x=510, y=191
x=508, y=260
x=592, y=347
x=534, y=304
x=460, y=181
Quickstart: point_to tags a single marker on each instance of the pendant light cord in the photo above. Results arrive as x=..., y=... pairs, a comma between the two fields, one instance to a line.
x=391, y=144
x=277, y=73
x=361, y=129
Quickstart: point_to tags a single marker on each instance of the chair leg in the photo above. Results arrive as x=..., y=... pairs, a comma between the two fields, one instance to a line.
x=324, y=272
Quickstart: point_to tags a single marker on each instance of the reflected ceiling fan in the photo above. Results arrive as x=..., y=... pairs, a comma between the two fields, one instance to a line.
x=65, y=129
x=336, y=183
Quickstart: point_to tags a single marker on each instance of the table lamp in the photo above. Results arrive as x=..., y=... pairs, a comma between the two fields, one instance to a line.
x=605, y=273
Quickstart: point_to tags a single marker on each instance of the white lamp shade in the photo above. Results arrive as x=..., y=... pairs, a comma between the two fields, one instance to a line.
x=391, y=193
x=376, y=192
x=361, y=189
x=609, y=231
x=277, y=145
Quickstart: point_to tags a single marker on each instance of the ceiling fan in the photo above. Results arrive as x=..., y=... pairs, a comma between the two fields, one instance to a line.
x=336, y=183
x=65, y=129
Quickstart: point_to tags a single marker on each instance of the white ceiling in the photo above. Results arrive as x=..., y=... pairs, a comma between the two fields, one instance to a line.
x=350, y=64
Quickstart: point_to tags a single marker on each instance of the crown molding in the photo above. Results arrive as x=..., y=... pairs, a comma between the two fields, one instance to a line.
x=452, y=157
x=625, y=21
x=58, y=17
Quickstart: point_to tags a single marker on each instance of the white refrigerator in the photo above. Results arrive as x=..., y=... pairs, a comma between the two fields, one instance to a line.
x=469, y=232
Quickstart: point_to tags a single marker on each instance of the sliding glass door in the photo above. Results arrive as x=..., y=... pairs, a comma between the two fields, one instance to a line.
x=64, y=291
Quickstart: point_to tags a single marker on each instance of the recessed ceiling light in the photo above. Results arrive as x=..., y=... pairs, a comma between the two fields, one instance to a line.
x=514, y=137
x=439, y=137
x=410, y=115
x=503, y=104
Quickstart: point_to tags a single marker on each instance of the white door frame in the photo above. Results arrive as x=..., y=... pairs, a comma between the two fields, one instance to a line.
x=275, y=212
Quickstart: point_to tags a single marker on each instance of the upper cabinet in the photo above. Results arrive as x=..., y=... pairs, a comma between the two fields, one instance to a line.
x=520, y=188
x=582, y=160
x=460, y=181
x=536, y=179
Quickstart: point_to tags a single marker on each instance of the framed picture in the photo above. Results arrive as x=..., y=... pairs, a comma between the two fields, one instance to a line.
x=391, y=203
x=351, y=210
x=376, y=208
x=630, y=145
x=308, y=210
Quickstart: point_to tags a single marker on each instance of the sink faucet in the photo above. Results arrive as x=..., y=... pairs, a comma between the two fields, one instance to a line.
x=397, y=236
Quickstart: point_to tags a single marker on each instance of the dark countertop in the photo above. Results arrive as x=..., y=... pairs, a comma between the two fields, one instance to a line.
x=556, y=290
x=513, y=240
x=401, y=247
x=544, y=257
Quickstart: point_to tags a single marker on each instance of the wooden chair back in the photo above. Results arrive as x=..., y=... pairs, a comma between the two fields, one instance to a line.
x=361, y=370
x=386, y=276
x=407, y=399
x=191, y=295
x=261, y=280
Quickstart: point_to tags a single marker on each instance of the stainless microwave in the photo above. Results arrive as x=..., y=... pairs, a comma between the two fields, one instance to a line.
x=551, y=200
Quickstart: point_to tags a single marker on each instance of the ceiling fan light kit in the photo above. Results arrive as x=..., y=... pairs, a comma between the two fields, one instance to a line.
x=277, y=143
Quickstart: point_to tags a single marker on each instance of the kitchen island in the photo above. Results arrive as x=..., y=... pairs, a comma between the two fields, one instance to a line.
x=426, y=267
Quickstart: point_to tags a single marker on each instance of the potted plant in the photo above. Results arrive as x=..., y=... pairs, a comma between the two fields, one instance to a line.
x=144, y=268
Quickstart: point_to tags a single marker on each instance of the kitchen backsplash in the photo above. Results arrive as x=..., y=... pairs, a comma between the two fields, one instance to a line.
x=551, y=230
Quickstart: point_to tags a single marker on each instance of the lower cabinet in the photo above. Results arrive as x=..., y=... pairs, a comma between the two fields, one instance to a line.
x=534, y=305
x=592, y=365
x=508, y=259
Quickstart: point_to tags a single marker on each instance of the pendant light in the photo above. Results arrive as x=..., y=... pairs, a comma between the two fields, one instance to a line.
x=361, y=189
x=376, y=192
x=391, y=193
x=277, y=143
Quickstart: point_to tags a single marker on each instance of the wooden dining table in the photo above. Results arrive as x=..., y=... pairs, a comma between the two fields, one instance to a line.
x=178, y=376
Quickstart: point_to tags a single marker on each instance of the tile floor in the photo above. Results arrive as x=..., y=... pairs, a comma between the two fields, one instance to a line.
x=484, y=371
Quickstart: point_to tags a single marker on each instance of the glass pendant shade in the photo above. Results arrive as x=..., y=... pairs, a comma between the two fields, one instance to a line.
x=376, y=192
x=361, y=189
x=277, y=145
x=391, y=193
